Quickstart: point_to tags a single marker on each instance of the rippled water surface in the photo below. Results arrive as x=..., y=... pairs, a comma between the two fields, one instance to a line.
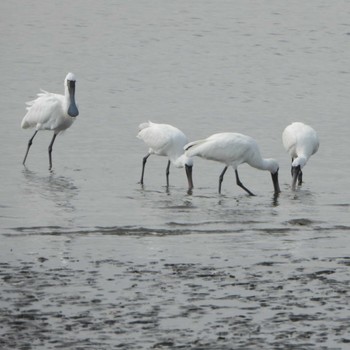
x=92, y=260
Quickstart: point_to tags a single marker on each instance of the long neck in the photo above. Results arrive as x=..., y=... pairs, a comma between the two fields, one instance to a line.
x=267, y=164
x=264, y=164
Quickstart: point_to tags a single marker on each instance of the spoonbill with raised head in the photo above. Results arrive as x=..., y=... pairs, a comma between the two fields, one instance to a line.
x=166, y=140
x=51, y=111
x=301, y=142
x=233, y=149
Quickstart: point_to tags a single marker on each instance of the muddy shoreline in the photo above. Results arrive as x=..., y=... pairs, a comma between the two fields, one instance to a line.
x=190, y=292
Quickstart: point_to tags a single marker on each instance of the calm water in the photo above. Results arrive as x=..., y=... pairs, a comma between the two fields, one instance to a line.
x=245, y=66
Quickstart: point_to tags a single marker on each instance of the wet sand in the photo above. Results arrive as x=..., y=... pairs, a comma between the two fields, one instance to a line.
x=212, y=291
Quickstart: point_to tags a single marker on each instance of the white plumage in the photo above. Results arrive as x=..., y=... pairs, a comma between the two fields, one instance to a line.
x=168, y=141
x=233, y=149
x=51, y=111
x=301, y=142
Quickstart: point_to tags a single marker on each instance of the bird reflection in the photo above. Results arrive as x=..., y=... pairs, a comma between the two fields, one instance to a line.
x=60, y=190
x=275, y=197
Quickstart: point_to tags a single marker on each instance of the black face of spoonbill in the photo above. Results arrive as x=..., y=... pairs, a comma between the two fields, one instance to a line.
x=188, y=169
x=296, y=171
x=72, y=109
x=276, y=185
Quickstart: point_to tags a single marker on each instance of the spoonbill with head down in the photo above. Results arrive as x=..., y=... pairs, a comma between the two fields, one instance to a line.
x=166, y=140
x=51, y=112
x=301, y=142
x=233, y=149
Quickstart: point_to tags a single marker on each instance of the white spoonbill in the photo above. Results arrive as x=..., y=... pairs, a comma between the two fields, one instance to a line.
x=301, y=142
x=51, y=112
x=233, y=149
x=166, y=140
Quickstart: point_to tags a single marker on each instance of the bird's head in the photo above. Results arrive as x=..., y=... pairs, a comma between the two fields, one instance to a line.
x=297, y=165
x=187, y=163
x=70, y=77
x=299, y=161
x=182, y=161
x=70, y=84
x=70, y=81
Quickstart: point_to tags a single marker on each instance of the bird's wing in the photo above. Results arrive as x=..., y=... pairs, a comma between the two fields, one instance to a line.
x=157, y=137
x=289, y=140
x=228, y=148
x=316, y=142
x=145, y=125
x=213, y=147
x=44, y=112
x=192, y=144
x=201, y=148
x=307, y=142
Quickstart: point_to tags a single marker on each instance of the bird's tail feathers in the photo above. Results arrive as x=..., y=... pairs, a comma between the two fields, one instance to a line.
x=193, y=143
x=145, y=125
x=190, y=147
x=40, y=94
x=29, y=104
x=44, y=92
x=25, y=124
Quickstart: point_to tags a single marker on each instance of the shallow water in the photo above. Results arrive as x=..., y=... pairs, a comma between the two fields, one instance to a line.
x=90, y=259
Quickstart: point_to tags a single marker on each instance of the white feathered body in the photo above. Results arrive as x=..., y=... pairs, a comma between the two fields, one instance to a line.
x=164, y=140
x=301, y=142
x=48, y=112
x=231, y=149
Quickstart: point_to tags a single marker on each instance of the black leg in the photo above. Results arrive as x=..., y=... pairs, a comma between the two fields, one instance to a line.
x=144, y=160
x=29, y=144
x=295, y=175
x=221, y=178
x=50, y=150
x=300, y=178
x=188, y=169
x=167, y=172
x=239, y=183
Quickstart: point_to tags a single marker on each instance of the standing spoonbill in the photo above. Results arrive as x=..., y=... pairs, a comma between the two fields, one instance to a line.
x=233, y=149
x=51, y=112
x=301, y=142
x=166, y=140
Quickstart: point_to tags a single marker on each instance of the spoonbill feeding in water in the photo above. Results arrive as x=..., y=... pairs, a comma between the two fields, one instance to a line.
x=51, y=112
x=301, y=142
x=233, y=149
x=166, y=140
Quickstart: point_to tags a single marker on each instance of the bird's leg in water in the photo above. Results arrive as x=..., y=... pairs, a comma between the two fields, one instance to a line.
x=239, y=183
x=167, y=172
x=188, y=169
x=144, y=160
x=221, y=178
x=50, y=149
x=29, y=144
x=300, y=175
x=300, y=178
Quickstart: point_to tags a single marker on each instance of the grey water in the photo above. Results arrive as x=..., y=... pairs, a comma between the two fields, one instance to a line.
x=92, y=260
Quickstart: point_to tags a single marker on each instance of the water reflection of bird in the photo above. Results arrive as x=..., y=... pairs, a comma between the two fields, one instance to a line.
x=51, y=112
x=233, y=149
x=58, y=190
x=301, y=142
x=166, y=140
